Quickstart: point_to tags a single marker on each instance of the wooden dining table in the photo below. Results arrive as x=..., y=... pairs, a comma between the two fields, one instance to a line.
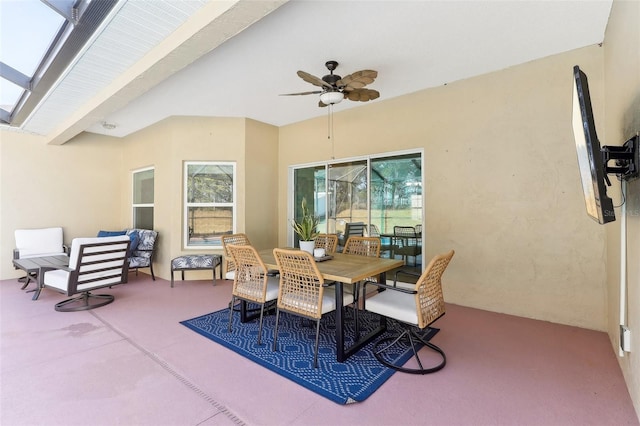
x=347, y=269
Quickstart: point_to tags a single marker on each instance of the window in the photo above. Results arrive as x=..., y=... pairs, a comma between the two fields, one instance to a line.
x=210, y=203
x=143, y=198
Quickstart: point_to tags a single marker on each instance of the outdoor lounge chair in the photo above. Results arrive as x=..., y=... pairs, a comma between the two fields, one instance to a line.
x=39, y=242
x=94, y=263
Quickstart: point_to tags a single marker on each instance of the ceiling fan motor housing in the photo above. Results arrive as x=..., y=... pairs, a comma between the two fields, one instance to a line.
x=331, y=78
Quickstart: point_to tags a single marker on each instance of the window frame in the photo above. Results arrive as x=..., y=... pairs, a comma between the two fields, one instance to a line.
x=133, y=192
x=186, y=205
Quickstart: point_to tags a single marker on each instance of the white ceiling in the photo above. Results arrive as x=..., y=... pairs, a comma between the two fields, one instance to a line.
x=413, y=45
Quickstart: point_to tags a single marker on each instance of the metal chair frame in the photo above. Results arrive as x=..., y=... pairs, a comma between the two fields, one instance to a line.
x=251, y=282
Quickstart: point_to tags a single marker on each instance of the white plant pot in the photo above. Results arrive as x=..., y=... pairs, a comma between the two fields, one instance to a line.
x=308, y=246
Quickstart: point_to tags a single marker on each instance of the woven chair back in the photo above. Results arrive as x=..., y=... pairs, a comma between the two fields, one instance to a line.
x=301, y=283
x=329, y=242
x=229, y=240
x=363, y=246
x=404, y=231
x=250, y=281
x=429, y=299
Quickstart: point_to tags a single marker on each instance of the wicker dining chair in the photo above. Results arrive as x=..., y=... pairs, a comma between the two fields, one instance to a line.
x=329, y=242
x=228, y=240
x=302, y=291
x=251, y=282
x=412, y=306
x=362, y=246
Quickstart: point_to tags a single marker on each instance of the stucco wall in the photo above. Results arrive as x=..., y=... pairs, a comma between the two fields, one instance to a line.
x=168, y=144
x=261, y=184
x=85, y=185
x=622, y=120
x=502, y=185
x=72, y=186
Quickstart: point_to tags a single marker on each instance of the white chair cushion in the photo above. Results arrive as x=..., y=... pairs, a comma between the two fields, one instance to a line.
x=394, y=304
x=231, y=275
x=57, y=278
x=39, y=242
x=255, y=293
x=347, y=296
x=273, y=287
x=328, y=301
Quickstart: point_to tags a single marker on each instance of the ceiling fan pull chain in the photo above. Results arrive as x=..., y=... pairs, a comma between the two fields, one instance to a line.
x=330, y=130
x=329, y=121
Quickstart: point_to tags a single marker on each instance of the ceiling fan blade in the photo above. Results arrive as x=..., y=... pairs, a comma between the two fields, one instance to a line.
x=313, y=79
x=362, y=95
x=357, y=80
x=315, y=92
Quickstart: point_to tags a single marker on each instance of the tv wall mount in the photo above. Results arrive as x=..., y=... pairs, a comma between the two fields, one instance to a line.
x=627, y=160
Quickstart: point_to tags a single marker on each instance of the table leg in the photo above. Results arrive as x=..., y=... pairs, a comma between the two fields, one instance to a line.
x=36, y=293
x=340, y=323
x=342, y=353
x=247, y=314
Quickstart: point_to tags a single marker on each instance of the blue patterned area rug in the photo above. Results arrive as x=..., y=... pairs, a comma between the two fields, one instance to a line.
x=344, y=383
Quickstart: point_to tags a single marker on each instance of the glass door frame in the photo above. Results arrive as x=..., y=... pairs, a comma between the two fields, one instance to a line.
x=327, y=163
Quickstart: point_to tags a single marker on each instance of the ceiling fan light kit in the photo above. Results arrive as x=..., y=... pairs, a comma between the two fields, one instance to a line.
x=330, y=98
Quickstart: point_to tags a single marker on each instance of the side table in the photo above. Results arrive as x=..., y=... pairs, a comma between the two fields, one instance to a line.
x=32, y=265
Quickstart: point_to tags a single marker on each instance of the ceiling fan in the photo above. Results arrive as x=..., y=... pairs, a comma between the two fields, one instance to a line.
x=336, y=88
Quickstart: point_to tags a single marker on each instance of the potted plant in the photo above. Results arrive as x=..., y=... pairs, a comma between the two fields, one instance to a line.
x=306, y=228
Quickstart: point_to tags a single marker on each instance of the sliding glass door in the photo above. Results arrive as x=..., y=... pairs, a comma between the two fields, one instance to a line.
x=396, y=192
x=380, y=191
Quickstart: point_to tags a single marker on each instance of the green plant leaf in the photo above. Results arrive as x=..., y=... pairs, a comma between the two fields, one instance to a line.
x=307, y=227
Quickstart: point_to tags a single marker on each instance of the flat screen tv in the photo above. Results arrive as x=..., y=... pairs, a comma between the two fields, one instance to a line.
x=591, y=159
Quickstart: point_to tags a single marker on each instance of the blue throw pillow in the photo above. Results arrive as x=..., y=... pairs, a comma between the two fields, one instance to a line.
x=111, y=233
x=135, y=240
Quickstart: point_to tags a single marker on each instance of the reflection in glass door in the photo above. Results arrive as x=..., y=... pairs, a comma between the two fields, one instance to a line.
x=348, y=195
x=396, y=192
